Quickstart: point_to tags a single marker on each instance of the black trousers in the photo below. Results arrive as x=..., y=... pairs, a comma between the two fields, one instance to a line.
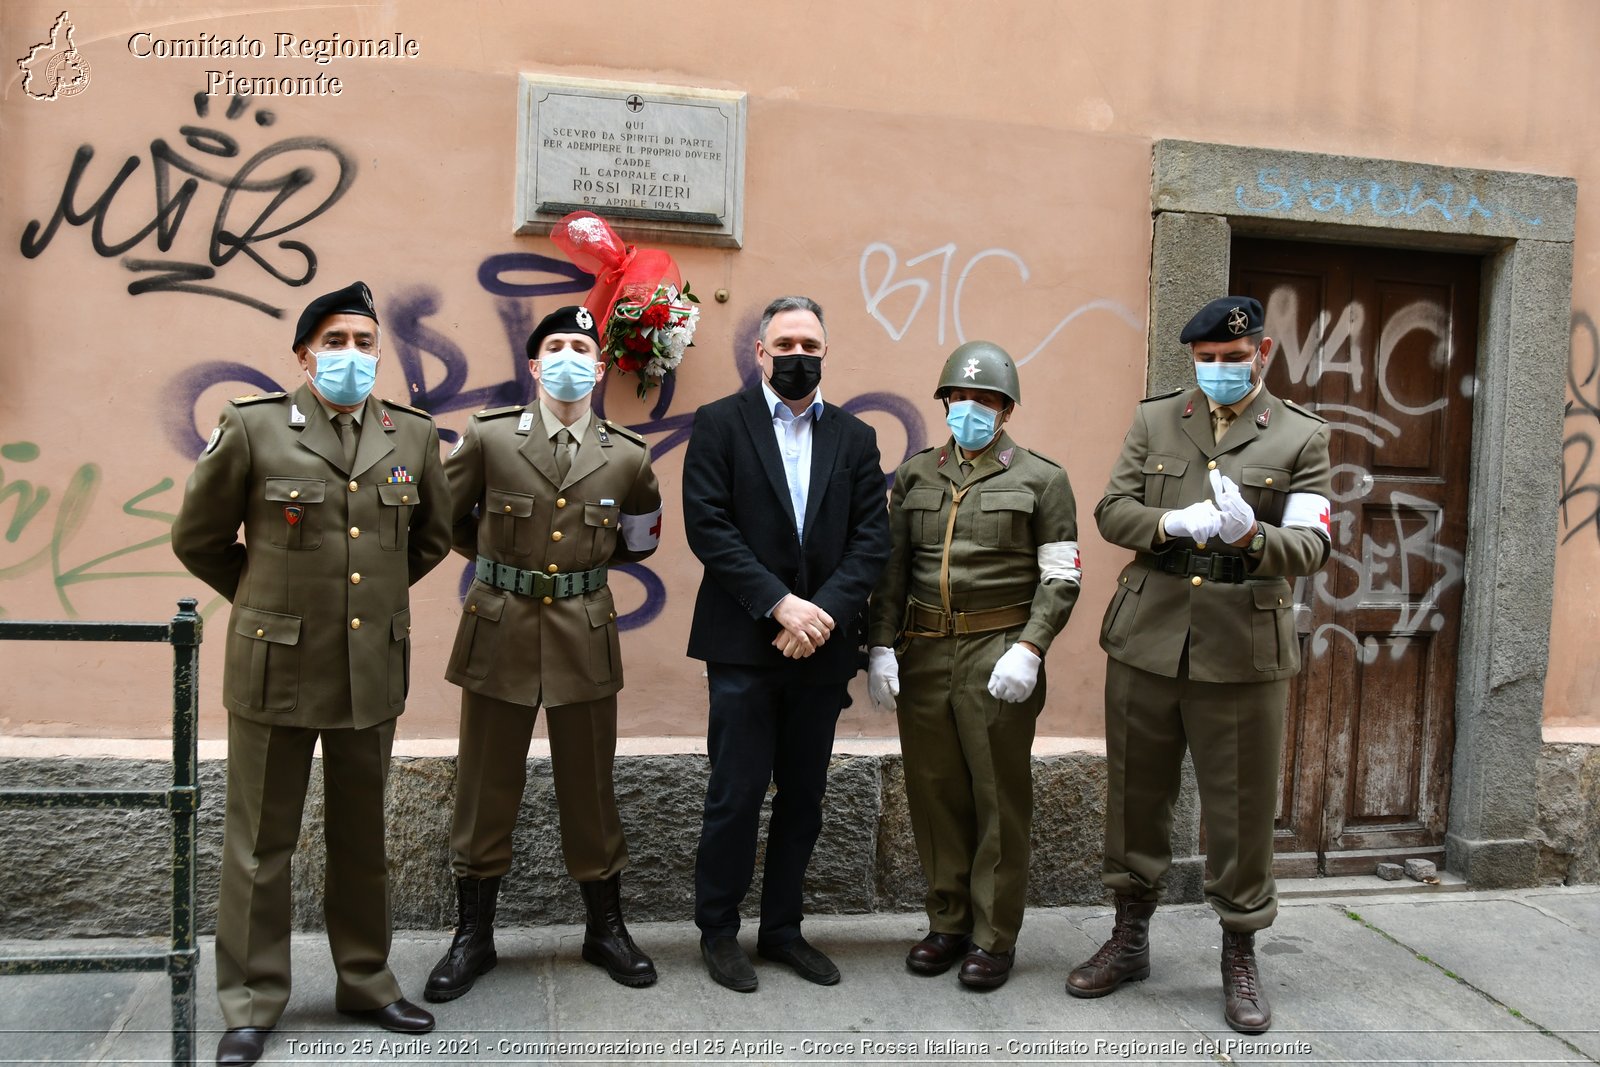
x=767, y=726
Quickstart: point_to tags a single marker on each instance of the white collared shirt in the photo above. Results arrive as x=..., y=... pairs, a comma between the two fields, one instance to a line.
x=793, y=434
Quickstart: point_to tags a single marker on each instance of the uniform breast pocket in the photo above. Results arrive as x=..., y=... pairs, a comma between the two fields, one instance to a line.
x=299, y=500
x=1118, y=623
x=1005, y=518
x=394, y=515
x=1272, y=627
x=1163, y=479
x=1265, y=489
x=263, y=660
x=510, y=520
x=600, y=521
x=922, y=506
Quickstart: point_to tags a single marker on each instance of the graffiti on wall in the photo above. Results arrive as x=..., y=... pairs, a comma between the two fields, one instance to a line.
x=1580, y=467
x=260, y=204
x=1384, y=569
x=1359, y=196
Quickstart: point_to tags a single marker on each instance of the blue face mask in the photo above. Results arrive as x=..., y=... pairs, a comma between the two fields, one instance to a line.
x=567, y=375
x=973, y=424
x=345, y=376
x=1226, y=383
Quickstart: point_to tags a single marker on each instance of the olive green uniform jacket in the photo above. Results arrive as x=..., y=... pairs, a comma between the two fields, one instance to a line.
x=319, y=635
x=1234, y=632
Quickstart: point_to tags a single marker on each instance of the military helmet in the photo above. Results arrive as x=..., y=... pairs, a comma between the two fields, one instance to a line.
x=980, y=365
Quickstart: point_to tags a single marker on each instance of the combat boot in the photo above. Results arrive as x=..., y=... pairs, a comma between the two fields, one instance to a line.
x=1125, y=957
x=471, y=952
x=605, y=936
x=1244, y=1002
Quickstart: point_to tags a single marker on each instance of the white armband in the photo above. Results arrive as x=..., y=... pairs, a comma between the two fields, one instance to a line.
x=1308, y=509
x=641, y=532
x=1059, y=559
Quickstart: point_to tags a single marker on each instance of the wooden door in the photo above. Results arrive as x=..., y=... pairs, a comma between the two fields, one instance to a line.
x=1382, y=344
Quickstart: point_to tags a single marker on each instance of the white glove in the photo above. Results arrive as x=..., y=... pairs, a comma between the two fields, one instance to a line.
x=1015, y=675
x=1199, y=522
x=883, y=677
x=1238, y=518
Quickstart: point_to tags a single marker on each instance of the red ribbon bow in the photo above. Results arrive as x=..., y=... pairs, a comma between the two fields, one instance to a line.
x=620, y=270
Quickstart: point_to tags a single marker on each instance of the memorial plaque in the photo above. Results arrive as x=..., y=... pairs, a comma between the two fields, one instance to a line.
x=665, y=163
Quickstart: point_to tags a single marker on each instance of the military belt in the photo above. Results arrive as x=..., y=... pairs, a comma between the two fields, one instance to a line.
x=1187, y=563
x=923, y=620
x=538, y=583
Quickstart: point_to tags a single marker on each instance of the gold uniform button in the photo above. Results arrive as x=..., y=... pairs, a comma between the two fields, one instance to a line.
x=556, y=536
x=261, y=633
x=355, y=624
x=611, y=615
x=354, y=487
x=1124, y=581
x=549, y=600
x=561, y=502
x=1280, y=602
x=1269, y=481
x=1160, y=467
x=294, y=494
x=355, y=531
x=355, y=579
x=508, y=509
x=472, y=609
x=551, y=569
x=1211, y=466
x=1196, y=580
x=404, y=499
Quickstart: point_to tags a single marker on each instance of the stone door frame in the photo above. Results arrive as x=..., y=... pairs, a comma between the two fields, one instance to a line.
x=1522, y=226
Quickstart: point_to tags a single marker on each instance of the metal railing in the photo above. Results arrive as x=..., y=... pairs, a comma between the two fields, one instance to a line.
x=182, y=799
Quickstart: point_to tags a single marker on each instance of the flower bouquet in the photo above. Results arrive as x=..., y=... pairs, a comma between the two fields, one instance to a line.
x=648, y=310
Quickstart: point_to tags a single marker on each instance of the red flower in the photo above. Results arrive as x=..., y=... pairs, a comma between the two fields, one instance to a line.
x=626, y=361
x=637, y=343
x=655, y=316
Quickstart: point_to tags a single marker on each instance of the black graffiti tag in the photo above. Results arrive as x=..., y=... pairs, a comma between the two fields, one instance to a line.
x=1580, y=485
x=274, y=192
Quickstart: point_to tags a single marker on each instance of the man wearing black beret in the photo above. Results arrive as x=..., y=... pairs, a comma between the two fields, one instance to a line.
x=1222, y=492
x=546, y=496
x=344, y=506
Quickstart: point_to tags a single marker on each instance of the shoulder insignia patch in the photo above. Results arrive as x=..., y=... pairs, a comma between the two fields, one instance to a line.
x=495, y=413
x=622, y=431
x=392, y=405
x=256, y=398
x=1292, y=406
x=1045, y=459
x=1163, y=396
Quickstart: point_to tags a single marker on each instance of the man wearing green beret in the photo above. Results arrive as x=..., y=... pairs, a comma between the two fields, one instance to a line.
x=982, y=575
x=1222, y=493
x=344, y=506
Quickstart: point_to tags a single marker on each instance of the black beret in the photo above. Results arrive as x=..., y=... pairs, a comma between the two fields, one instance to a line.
x=574, y=318
x=1226, y=318
x=353, y=299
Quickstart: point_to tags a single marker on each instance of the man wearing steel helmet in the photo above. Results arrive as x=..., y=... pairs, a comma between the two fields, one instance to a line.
x=546, y=496
x=1222, y=491
x=344, y=506
x=982, y=575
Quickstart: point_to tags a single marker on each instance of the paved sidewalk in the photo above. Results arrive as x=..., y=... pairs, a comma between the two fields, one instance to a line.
x=1442, y=977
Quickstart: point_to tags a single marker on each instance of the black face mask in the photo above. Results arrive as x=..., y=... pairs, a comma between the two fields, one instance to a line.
x=794, y=377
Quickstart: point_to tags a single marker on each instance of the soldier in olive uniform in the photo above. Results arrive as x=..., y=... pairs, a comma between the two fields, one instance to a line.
x=1222, y=491
x=344, y=506
x=546, y=496
x=983, y=574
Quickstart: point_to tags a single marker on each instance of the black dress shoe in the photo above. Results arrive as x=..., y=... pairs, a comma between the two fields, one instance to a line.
x=986, y=970
x=728, y=964
x=807, y=962
x=242, y=1046
x=936, y=953
x=403, y=1017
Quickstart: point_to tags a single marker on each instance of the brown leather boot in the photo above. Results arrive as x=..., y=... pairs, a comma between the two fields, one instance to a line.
x=605, y=936
x=1244, y=1002
x=1125, y=957
x=471, y=952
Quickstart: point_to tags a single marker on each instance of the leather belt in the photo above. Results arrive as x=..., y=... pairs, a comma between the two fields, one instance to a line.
x=925, y=621
x=1187, y=563
x=538, y=583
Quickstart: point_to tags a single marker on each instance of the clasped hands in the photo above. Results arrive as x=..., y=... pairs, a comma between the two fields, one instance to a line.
x=1014, y=676
x=805, y=627
x=1229, y=518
